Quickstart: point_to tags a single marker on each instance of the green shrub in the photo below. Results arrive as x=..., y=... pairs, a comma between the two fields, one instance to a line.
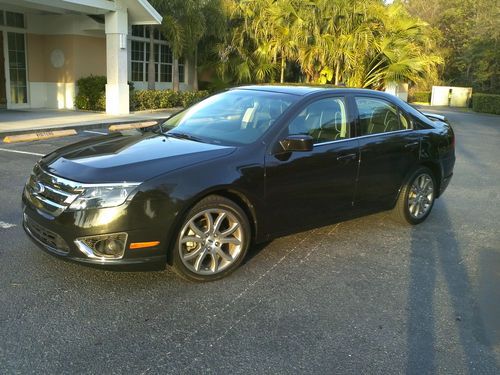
x=157, y=99
x=487, y=103
x=420, y=96
x=92, y=96
x=191, y=97
x=91, y=93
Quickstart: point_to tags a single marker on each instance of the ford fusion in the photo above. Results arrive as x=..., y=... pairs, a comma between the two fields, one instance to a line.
x=241, y=167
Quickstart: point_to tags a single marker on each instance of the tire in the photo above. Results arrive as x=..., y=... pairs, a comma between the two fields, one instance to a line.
x=416, y=198
x=212, y=241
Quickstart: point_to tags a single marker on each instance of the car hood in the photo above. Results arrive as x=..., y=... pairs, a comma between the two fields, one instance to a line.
x=131, y=158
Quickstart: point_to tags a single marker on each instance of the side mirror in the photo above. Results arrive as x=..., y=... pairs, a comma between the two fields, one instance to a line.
x=297, y=142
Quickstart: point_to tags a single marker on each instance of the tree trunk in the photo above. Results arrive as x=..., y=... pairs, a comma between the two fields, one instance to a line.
x=195, y=70
x=175, y=72
x=151, y=61
x=337, y=74
x=283, y=65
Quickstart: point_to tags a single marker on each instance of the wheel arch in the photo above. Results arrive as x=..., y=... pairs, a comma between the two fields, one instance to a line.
x=432, y=166
x=436, y=172
x=236, y=196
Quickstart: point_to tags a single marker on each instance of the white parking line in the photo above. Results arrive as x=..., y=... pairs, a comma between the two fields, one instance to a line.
x=5, y=225
x=94, y=132
x=21, y=152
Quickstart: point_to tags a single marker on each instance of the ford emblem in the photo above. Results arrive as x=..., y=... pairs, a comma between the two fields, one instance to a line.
x=38, y=188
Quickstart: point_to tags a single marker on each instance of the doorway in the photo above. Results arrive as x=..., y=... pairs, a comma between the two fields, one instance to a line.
x=3, y=93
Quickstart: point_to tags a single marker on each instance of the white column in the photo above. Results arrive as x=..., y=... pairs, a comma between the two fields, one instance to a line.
x=117, y=90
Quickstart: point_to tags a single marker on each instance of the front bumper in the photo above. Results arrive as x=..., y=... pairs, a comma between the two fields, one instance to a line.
x=444, y=184
x=57, y=235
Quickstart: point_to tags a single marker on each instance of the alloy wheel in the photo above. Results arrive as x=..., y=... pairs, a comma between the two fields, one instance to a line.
x=421, y=196
x=211, y=241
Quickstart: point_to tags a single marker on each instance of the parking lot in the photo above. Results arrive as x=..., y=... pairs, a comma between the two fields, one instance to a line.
x=363, y=296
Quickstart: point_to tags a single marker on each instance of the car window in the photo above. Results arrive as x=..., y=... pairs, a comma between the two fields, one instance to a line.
x=324, y=120
x=231, y=118
x=379, y=116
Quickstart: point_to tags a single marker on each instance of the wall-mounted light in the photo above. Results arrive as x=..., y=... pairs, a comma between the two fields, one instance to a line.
x=123, y=41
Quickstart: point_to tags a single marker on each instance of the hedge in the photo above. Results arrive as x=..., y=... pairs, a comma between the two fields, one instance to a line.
x=487, y=103
x=420, y=96
x=156, y=99
x=92, y=96
x=91, y=93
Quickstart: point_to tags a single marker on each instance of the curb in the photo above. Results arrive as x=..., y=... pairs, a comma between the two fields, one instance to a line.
x=78, y=127
x=138, y=125
x=39, y=135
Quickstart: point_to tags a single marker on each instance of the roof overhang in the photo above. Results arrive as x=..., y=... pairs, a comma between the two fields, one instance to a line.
x=140, y=12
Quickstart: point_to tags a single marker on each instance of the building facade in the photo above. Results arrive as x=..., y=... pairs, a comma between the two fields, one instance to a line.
x=47, y=45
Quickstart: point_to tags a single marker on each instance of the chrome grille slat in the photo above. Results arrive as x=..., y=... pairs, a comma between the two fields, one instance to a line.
x=60, y=192
x=51, y=193
x=49, y=202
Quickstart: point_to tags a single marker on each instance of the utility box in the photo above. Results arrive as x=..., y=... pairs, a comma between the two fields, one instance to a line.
x=451, y=96
x=398, y=89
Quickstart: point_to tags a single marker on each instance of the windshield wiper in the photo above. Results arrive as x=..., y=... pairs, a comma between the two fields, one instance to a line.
x=184, y=136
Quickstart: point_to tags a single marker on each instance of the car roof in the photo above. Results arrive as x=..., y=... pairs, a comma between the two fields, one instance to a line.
x=303, y=90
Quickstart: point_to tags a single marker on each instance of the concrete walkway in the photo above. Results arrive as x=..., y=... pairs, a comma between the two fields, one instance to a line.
x=19, y=121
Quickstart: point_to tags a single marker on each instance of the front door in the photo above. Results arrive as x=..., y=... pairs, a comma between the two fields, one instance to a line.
x=312, y=188
x=3, y=96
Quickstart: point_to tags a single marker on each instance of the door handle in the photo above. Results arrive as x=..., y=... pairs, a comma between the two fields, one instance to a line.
x=412, y=144
x=347, y=157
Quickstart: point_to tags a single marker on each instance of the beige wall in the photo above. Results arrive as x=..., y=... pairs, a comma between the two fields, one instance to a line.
x=83, y=55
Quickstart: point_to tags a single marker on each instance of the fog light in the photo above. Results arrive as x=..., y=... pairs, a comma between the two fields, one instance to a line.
x=106, y=246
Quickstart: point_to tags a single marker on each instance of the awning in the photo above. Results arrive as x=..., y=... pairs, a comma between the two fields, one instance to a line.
x=140, y=12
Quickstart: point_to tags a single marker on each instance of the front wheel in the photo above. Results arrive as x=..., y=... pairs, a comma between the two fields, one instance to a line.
x=416, y=198
x=213, y=240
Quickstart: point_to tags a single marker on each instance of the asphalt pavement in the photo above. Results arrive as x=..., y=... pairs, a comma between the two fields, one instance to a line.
x=366, y=296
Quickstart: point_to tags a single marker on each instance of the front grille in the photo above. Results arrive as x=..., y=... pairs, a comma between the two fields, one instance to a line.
x=50, y=193
x=46, y=236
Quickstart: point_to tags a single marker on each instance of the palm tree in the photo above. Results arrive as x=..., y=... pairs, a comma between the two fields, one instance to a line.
x=362, y=43
x=403, y=50
x=151, y=60
x=276, y=28
x=183, y=24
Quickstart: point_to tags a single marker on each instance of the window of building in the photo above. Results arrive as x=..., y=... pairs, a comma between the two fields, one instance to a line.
x=14, y=19
x=137, y=59
x=139, y=56
x=181, y=70
x=17, y=68
x=138, y=30
x=1, y=18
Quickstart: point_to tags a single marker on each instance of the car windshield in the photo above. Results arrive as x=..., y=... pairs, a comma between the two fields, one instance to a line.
x=234, y=117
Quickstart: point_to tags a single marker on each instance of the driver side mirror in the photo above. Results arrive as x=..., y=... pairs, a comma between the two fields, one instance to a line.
x=297, y=142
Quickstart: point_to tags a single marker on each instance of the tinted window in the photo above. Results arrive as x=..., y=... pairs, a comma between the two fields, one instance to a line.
x=324, y=120
x=233, y=117
x=378, y=116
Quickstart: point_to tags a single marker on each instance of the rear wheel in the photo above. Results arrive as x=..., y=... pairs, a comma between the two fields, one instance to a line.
x=417, y=197
x=213, y=240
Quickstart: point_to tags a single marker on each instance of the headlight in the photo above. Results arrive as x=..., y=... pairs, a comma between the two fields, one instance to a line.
x=103, y=195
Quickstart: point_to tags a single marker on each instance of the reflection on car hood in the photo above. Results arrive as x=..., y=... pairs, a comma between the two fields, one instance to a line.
x=132, y=158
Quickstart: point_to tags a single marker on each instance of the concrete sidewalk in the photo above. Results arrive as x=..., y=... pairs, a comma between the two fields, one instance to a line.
x=21, y=121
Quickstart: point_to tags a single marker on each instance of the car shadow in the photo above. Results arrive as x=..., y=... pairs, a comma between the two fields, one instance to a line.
x=255, y=250
x=435, y=256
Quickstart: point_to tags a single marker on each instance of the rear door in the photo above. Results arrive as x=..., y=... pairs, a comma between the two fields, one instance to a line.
x=389, y=149
x=311, y=188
